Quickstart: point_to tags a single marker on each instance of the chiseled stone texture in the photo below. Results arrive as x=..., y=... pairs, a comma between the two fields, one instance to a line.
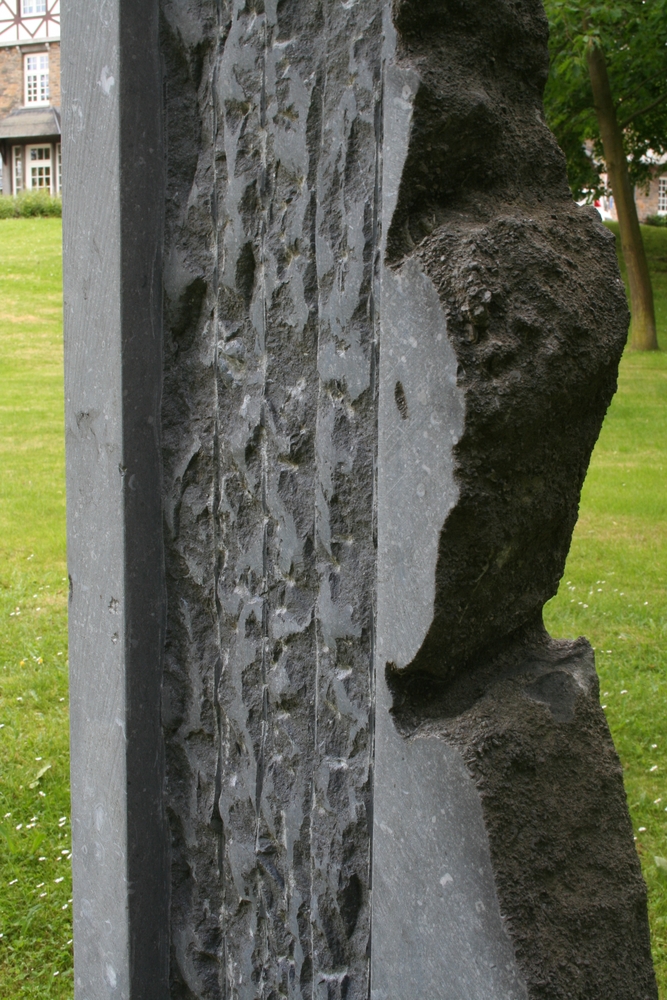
x=269, y=434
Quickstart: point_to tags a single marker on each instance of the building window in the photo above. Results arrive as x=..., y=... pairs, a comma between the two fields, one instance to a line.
x=37, y=79
x=59, y=167
x=17, y=157
x=662, y=196
x=39, y=167
x=34, y=7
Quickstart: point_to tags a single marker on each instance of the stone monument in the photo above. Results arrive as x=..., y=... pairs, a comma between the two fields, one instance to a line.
x=338, y=349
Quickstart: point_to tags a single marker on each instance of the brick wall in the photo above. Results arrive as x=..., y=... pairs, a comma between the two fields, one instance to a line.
x=11, y=77
x=647, y=202
x=11, y=80
x=54, y=73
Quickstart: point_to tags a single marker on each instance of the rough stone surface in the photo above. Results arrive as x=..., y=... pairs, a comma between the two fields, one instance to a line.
x=535, y=311
x=529, y=726
x=269, y=442
x=386, y=324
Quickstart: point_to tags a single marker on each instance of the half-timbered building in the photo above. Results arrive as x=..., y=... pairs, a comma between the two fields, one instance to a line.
x=30, y=95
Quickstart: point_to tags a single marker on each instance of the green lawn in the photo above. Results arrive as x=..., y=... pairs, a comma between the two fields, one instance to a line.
x=613, y=592
x=35, y=875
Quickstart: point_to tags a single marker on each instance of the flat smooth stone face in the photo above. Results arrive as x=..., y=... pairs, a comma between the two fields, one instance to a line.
x=437, y=929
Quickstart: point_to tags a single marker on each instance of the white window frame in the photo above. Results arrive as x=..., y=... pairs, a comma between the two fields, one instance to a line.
x=18, y=172
x=58, y=173
x=36, y=77
x=29, y=162
x=662, y=195
x=30, y=8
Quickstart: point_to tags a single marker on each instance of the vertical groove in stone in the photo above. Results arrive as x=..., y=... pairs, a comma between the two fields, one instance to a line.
x=269, y=424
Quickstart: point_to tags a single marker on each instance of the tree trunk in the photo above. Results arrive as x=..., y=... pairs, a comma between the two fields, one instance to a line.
x=642, y=328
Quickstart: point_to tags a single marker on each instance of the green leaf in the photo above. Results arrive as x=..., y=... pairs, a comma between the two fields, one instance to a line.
x=40, y=774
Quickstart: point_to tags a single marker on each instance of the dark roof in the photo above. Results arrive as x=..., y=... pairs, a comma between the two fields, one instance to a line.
x=31, y=123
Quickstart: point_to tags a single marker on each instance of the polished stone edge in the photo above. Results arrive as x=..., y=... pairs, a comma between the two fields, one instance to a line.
x=113, y=163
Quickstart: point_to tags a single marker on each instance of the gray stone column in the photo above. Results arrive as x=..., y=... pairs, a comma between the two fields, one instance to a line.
x=113, y=190
x=339, y=346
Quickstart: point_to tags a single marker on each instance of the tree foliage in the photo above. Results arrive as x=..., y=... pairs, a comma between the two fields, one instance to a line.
x=632, y=34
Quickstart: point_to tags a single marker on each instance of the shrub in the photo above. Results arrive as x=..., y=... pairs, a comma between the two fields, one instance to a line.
x=7, y=208
x=30, y=204
x=655, y=220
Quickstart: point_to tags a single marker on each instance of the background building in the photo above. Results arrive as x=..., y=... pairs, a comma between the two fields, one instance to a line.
x=650, y=199
x=30, y=95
